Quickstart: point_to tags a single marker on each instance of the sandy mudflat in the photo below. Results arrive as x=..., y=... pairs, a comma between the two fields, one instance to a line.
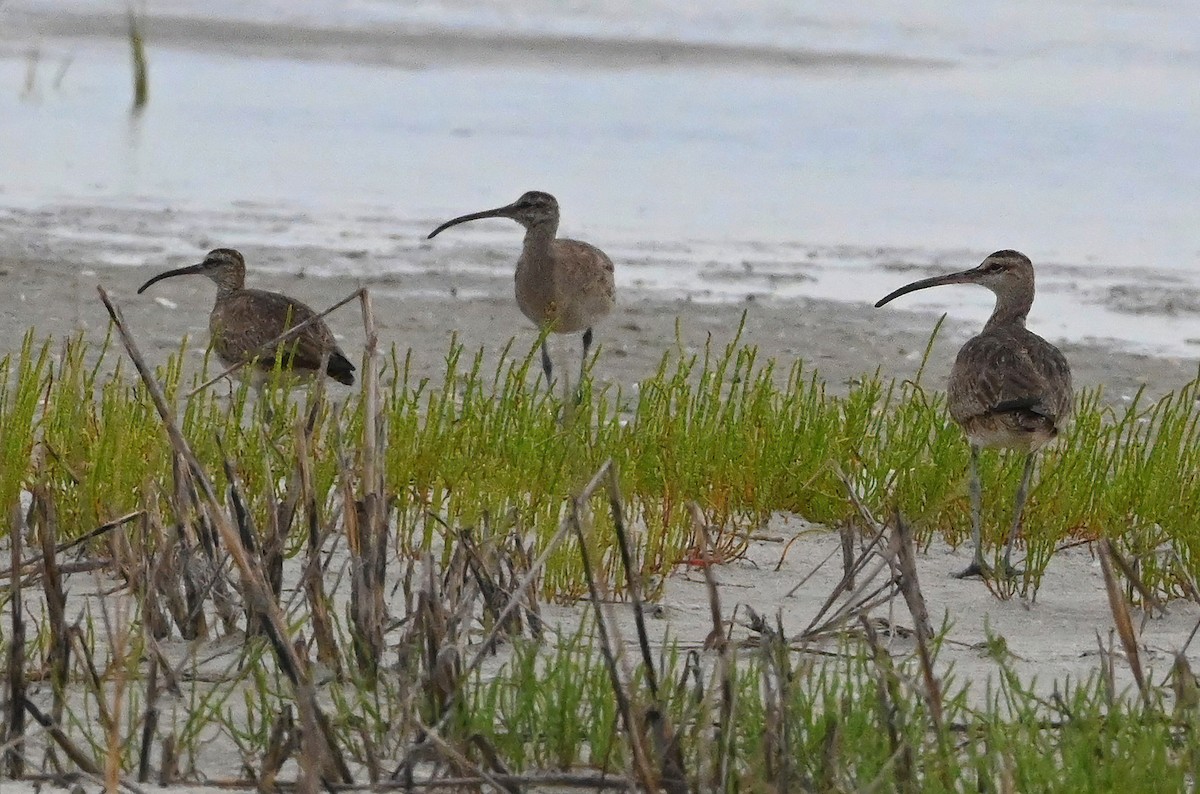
x=423, y=310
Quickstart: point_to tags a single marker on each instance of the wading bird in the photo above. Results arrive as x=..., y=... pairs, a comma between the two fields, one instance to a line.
x=565, y=286
x=244, y=320
x=1009, y=388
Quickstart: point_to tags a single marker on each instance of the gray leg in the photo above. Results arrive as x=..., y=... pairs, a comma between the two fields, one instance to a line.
x=587, y=345
x=547, y=367
x=977, y=567
x=1018, y=510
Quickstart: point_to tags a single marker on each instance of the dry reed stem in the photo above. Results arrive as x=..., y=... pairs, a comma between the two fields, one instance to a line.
x=311, y=580
x=281, y=745
x=1135, y=581
x=14, y=733
x=847, y=536
x=149, y=721
x=539, y=781
x=859, y=601
x=910, y=588
x=670, y=758
x=1120, y=612
x=320, y=759
x=70, y=544
x=1184, y=686
x=719, y=640
x=457, y=759
x=141, y=79
x=641, y=767
x=889, y=698
x=77, y=756
x=369, y=570
x=168, y=761
x=523, y=589
x=56, y=603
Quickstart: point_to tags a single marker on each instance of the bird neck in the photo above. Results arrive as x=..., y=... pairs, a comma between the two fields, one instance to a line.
x=225, y=289
x=539, y=240
x=228, y=283
x=1011, y=308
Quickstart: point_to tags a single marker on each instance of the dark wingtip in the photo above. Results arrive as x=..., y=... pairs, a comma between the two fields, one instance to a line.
x=1030, y=405
x=340, y=369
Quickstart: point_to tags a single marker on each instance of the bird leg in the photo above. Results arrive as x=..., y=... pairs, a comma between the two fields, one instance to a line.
x=977, y=567
x=1018, y=511
x=587, y=344
x=547, y=367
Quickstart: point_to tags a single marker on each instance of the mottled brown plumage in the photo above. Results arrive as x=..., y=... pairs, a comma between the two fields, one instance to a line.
x=1009, y=388
x=244, y=320
x=562, y=285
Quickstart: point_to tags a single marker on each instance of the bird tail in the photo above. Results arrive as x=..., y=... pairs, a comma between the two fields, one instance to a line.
x=1031, y=413
x=340, y=369
x=1032, y=405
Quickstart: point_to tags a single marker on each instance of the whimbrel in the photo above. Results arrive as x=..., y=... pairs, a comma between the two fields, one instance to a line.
x=1009, y=388
x=244, y=320
x=562, y=285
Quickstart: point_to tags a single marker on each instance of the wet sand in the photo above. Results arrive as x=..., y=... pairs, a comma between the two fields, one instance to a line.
x=422, y=311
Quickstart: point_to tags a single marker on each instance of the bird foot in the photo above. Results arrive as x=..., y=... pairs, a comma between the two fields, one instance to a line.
x=984, y=571
x=976, y=568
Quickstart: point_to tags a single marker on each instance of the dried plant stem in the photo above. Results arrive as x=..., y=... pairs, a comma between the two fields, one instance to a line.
x=149, y=721
x=717, y=638
x=1124, y=622
x=141, y=80
x=77, y=756
x=910, y=588
x=519, y=594
x=14, y=734
x=56, y=604
x=320, y=759
x=70, y=544
x=369, y=542
x=889, y=700
x=641, y=767
x=670, y=761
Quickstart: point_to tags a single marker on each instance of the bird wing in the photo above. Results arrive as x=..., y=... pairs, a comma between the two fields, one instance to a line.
x=584, y=278
x=250, y=319
x=1013, y=370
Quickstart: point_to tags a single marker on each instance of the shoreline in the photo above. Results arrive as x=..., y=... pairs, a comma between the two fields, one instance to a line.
x=413, y=47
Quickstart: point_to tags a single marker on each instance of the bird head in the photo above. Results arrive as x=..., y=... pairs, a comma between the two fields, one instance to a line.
x=534, y=208
x=1006, y=273
x=225, y=266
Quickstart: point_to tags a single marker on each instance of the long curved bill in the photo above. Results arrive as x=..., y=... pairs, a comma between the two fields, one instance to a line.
x=963, y=277
x=181, y=271
x=498, y=212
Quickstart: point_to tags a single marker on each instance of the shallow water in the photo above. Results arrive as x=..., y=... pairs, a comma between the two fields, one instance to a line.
x=1066, y=130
